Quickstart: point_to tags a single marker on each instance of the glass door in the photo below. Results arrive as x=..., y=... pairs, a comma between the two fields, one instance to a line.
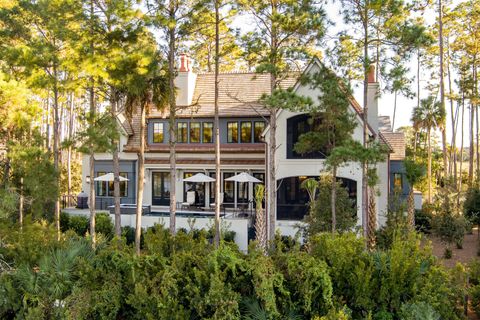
x=161, y=188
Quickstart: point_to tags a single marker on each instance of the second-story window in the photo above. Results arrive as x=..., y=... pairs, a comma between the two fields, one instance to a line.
x=258, y=128
x=194, y=132
x=232, y=132
x=207, y=132
x=246, y=132
x=158, y=132
x=182, y=132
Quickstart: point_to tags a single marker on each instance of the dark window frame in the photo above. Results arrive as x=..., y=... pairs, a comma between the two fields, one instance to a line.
x=108, y=187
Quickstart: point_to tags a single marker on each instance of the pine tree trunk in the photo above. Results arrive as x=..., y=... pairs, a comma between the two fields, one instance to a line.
x=460, y=180
x=140, y=180
x=366, y=69
x=56, y=149
x=429, y=169
x=69, y=152
x=272, y=176
x=172, y=117
x=20, y=210
x=442, y=88
x=91, y=205
x=333, y=199
x=92, y=116
x=372, y=218
x=217, y=129
x=394, y=111
x=472, y=149
x=116, y=168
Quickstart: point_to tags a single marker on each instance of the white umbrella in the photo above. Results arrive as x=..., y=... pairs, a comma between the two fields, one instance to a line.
x=243, y=177
x=199, y=177
x=109, y=177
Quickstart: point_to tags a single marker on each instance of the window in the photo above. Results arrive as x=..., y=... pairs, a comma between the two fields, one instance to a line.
x=258, y=128
x=182, y=132
x=207, y=132
x=232, y=132
x=397, y=181
x=228, y=189
x=101, y=186
x=297, y=126
x=157, y=132
x=194, y=132
x=106, y=188
x=246, y=132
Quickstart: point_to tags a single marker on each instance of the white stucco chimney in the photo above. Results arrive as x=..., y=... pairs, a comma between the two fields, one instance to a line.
x=185, y=81
x=372, y=99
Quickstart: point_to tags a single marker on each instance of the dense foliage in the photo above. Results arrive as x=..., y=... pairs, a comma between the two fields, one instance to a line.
x=184, y=277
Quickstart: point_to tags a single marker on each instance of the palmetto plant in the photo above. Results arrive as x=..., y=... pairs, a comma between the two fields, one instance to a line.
x=45, y=286
x=429, y=116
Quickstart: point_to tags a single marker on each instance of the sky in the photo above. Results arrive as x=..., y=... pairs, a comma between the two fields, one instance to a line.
x=386, y=100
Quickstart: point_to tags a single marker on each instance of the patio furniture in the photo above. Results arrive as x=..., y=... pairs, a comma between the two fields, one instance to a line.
x=212, y=205
x=190, y=200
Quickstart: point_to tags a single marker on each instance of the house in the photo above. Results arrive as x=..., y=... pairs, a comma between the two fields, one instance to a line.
x=398, y=185
x=243, y=143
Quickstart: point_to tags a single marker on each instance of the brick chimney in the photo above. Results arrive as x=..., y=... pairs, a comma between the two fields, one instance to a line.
x=185, y=81
x=372, y=99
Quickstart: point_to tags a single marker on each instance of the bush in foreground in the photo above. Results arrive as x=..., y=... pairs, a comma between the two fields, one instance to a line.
x=184, y=277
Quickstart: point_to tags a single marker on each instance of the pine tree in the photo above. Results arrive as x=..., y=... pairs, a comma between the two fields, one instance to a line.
x=332, y=122
x=284, y=30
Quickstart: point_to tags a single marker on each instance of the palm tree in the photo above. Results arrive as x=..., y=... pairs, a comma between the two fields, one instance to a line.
x=429, y=116
x=145, y=91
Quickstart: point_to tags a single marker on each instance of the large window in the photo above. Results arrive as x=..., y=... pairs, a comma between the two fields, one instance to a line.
x=207, y=132
x=259, y=127
x=182, y=132
x=194, y=132
x=296, y=126
x=232, y=132
x=105, y=188
x=246, y=132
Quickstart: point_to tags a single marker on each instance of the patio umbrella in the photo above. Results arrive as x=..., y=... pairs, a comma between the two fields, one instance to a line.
x=243, y=177
x=109, y=177
x=199, y=177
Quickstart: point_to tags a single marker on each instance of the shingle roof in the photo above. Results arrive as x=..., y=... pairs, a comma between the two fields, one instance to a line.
x=397, y=142
x=239, y=93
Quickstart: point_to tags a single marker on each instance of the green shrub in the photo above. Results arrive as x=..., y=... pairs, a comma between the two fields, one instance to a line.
x=129, y=234
x=418, y=311
x=79, y=224
x=471, y=206
x=449, y=227
x=423, y=221
x=104, y=225
x=64, y=221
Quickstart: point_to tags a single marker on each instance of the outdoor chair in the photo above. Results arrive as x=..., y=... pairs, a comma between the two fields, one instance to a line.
x=212, y=205
x=190, y=200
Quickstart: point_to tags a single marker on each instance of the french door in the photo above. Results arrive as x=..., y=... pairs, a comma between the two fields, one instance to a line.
x=161, y=188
